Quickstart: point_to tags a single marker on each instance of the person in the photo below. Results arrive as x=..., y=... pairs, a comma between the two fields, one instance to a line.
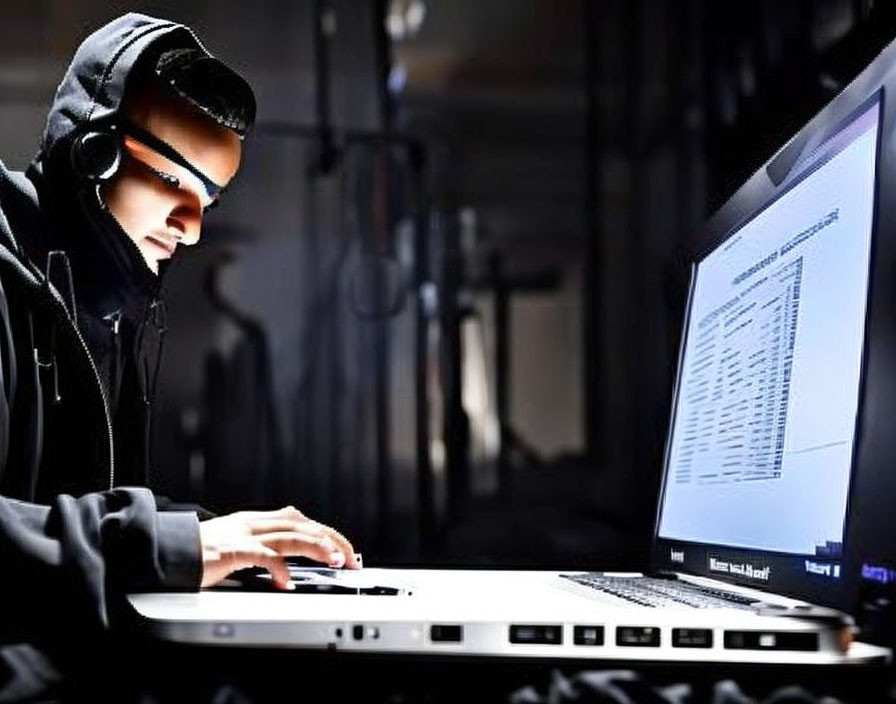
x=143, y=137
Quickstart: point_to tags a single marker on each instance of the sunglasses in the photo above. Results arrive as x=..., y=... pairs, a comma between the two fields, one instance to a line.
x=169, y=165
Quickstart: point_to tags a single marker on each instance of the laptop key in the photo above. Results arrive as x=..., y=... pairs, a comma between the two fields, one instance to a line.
x=657, y=592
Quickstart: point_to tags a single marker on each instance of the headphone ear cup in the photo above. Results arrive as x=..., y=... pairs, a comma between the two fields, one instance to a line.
x=96, y=156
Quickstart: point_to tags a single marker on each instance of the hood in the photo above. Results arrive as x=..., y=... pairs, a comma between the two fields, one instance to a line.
x=93, y=86
x=109, y=272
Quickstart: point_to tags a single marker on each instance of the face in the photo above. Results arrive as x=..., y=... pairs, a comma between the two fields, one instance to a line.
x=158, y=201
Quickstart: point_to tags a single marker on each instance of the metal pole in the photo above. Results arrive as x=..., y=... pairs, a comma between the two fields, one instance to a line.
x=593, y=361
x=456, y=426
x=502, y=371
x=381, y=328
x=425, y=491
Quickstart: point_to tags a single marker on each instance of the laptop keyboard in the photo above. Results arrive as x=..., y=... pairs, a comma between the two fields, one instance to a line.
x=652, y=591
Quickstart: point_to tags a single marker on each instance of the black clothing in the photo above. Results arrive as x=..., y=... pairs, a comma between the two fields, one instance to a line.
x=631, y=687
x=76, y=368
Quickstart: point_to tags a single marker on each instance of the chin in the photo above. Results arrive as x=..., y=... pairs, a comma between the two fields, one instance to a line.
x=151, y=263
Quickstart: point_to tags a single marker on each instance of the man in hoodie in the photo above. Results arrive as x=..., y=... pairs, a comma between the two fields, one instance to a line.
x=144, y=135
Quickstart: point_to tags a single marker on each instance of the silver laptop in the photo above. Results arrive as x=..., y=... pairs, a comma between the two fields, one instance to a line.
x=749, y=541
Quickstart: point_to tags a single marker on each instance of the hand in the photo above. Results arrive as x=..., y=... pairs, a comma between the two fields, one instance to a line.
x=264, y=539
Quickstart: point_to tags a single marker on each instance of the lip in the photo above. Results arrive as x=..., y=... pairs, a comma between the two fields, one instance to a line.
x=162, y=243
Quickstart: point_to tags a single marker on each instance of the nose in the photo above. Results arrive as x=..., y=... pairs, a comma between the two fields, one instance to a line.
x=185, y=220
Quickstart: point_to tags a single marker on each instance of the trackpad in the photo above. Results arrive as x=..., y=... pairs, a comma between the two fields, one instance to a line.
x=315, y=580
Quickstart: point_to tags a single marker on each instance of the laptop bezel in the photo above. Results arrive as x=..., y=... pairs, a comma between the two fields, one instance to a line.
x=757, y=194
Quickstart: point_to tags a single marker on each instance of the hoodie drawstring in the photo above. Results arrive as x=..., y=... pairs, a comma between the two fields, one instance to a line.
x=157, y=316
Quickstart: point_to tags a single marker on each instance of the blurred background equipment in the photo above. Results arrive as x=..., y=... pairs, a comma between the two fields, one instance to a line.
x=439, y=307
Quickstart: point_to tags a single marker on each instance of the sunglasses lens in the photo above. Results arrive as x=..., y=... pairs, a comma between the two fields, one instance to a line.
x=140, y=140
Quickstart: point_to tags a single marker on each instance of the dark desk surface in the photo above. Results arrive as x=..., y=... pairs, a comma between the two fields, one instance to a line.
x=201, y=674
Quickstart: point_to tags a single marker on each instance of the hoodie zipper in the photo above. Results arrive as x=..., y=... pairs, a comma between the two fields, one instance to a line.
x=155, y=315
x=96, y=376
x=36, y=279
x=113, y=321
x=57, y=298
x=58, y=269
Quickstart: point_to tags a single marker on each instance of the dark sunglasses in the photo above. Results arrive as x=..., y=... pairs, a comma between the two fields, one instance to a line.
x=148, y=139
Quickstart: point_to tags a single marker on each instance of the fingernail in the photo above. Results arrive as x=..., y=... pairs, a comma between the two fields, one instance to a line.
x=337, y=559
x=290, y=586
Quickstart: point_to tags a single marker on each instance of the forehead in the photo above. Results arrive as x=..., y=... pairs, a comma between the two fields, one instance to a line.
x=213, y=149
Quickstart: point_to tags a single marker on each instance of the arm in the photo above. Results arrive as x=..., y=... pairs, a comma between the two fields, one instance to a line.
x=68, y=566
x=65, y=565
x=164, y=503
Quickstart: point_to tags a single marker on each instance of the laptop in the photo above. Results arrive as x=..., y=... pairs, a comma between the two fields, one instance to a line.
x=751, y=533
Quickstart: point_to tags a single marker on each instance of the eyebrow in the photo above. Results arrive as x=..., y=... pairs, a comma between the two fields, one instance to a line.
x=147, y=138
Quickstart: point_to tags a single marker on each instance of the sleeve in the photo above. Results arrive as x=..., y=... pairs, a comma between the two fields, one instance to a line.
x=164, y=503
x=67, y=566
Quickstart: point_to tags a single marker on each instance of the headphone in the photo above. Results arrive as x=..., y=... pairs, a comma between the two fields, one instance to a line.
x=96, y=155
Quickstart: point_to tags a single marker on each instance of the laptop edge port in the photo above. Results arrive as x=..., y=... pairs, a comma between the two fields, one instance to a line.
x=691, y=637
x=588, y=635
x=536, y=634
x=638, y=636
x=442, y=633
x=771, y=640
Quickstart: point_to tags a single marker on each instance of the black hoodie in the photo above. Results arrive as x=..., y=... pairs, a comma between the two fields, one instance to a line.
x=119, y=312
x=72, y=540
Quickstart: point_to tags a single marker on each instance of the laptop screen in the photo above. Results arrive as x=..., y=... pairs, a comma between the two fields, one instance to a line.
x=764, y=416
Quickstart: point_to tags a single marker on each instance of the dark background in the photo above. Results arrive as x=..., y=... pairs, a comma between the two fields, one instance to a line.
x=440, y=307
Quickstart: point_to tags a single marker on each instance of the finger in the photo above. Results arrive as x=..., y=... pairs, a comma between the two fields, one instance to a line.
x=266, y=558
x=316, y=547
x=313, y=531
x=277, y=568
x=291, y=513
x=261, y=526
x=277, y=525
x=282, y=520
x=310, y=528
x=220, y=562
x=345, y=547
